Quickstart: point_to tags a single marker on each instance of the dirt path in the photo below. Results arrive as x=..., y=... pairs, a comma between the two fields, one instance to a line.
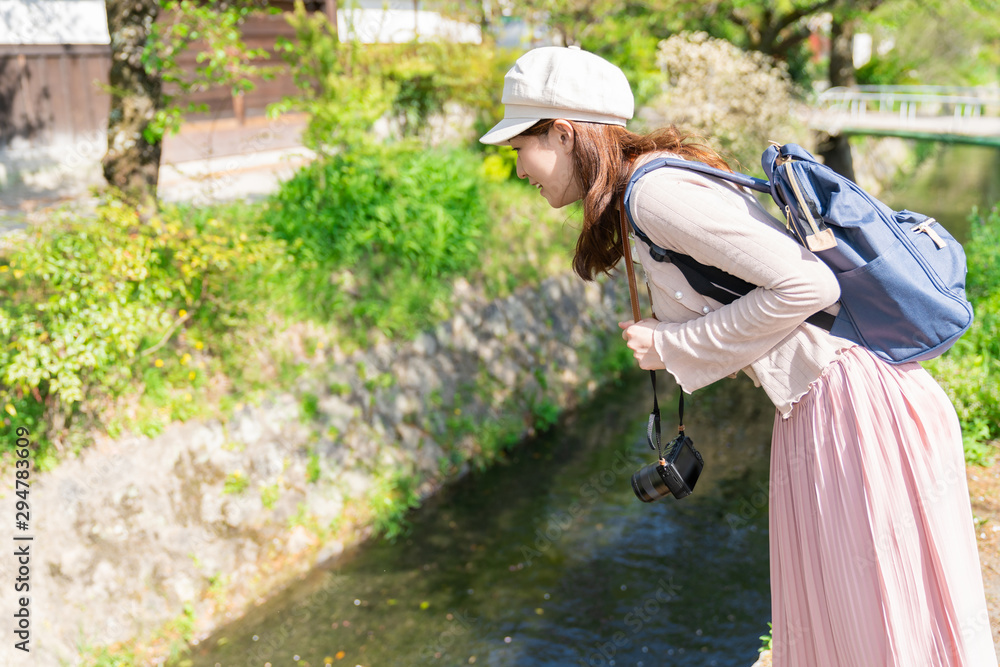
x=984, y=489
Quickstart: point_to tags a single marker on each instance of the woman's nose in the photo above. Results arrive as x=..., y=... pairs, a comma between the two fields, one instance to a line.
x=520, y=172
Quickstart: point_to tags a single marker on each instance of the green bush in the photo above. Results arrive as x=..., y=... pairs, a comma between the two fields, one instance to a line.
x=970, y=371
x=124, y=323
x=89, y=303
x=378, y=235
x=346, y=86
x=428, y=75
x=339, y=87
x=887, y=70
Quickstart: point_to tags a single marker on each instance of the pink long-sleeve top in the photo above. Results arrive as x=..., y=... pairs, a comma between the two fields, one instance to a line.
x=763, y=333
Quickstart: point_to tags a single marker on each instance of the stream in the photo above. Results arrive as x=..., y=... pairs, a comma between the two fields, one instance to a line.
x=549, y=558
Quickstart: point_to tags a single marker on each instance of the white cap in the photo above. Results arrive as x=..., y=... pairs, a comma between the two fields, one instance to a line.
x=561, y=82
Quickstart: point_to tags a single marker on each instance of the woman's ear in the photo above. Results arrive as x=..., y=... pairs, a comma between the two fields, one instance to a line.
x=562, y=134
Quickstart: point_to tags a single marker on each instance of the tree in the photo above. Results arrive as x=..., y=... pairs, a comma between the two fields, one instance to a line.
x=147, y=36
x=341, y=86
x=739, y=98
x=132, y=161
x=774, y=27
x=945, y=42
x=835, y=149
x=778, y=28
x=572, y=20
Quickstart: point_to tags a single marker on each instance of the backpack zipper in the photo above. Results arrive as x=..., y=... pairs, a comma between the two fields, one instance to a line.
x=908, y=242
x=925, y=227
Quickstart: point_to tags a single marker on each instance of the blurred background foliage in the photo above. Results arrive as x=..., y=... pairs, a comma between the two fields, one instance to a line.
x=737, y=99
x=970, y=372
x=934, y=42
x=403, y=210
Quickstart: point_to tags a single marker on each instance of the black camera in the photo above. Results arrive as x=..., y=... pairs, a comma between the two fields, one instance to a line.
x=675, y=473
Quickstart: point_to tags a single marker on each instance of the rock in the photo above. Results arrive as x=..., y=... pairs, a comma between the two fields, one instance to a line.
x=425, y=345
x=325, y=504
x=266, y=462
x=337, y=411
x=331, y=549
x=298, y=541
x=245, y=427
x=355, y=484
x=494, y=324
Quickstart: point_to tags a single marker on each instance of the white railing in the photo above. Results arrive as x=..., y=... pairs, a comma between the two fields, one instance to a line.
x=909, y=102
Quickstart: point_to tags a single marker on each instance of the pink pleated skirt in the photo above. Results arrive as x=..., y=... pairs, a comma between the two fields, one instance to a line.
x=873, y=551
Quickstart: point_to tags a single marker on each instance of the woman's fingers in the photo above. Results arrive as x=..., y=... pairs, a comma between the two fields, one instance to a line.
x=624, y=327
x=639, y=338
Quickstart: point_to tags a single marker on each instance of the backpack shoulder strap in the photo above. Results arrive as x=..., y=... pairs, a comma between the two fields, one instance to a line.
x=757, y=184
x=709, y=281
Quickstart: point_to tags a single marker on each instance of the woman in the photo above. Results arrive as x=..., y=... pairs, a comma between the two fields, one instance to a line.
x=873, y=554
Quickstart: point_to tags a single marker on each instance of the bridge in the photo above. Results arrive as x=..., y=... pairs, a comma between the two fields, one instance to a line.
x=935, y=113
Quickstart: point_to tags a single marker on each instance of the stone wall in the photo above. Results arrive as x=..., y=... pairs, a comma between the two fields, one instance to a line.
x=202, y=521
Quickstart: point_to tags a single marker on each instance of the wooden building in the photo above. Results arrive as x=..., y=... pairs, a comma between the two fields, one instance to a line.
x=55, y=57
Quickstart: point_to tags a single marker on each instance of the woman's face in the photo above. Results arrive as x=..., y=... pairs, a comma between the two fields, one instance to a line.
x=547, y=162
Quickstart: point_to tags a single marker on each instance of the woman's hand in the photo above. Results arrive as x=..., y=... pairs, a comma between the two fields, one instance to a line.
x=639, y=338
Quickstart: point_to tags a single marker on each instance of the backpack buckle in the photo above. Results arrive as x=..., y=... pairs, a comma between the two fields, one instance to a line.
x=658, y=254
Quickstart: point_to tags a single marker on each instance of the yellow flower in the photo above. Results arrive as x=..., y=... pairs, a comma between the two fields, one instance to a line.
x=198, y=345
x=185, y=359
x=10, y=410
x=158, y=363
x=3, y=269
x=192, y=375
x=182, y=312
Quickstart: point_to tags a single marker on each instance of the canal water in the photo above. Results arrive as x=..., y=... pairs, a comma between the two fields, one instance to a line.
x=953, y=179
x=549, y=559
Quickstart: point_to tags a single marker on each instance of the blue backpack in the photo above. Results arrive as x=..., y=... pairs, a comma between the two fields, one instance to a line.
x=902, y=276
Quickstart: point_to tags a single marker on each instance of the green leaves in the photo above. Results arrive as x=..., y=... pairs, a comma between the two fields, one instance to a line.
x=392, y=226
x=346, y=86
x=223, y=59
x=970, y=371
x=130, y=323
x=84, y=298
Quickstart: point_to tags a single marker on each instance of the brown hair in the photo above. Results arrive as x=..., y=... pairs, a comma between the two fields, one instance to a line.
x=603, y=156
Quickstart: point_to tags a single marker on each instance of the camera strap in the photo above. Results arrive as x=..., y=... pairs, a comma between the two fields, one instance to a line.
x=653, y=425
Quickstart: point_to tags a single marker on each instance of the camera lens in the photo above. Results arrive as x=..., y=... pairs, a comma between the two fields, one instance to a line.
x=648, y=485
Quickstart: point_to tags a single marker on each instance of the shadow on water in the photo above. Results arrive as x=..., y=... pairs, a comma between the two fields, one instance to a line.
x=549, y=559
